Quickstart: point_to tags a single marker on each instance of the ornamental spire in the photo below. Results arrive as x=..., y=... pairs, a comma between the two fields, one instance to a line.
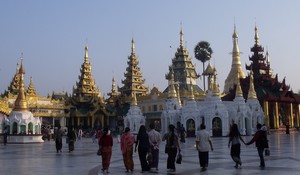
x=236, y=67
x=238, y=92
x=172, y=91
x=256, y=37
x=134, y=100
x=86, y=54
x=251, y=93
x=21, y=102
x=181, y=37
x=132, y=47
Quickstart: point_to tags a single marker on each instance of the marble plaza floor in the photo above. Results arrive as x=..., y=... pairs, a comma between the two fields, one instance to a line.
x=42, y=159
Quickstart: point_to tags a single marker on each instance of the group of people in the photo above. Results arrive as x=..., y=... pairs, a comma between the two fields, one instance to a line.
x=71, y=138
x=260, y=139
x=147, y=145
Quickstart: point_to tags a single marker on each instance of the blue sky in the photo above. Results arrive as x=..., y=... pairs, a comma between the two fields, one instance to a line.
x=52, y=35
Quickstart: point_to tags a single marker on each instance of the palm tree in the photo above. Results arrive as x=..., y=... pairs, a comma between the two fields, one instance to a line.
x=203, y=53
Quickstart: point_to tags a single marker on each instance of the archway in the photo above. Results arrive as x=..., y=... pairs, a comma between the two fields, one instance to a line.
x=30, y=128
x=217, y=127
x=15, y=128
x=190, y=125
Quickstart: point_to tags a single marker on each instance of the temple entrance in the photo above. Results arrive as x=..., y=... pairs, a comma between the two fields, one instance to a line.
x=190, y=125
x=217, y=127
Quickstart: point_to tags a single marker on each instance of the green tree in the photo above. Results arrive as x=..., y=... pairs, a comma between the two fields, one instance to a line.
x=203, y=53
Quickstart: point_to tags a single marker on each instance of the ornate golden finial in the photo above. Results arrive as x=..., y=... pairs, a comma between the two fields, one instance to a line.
x=256, y=37
x=134, y=100
x=238, y=92
x=172, y=91
x=132, y=47
x=21, y=102
x=181, y=37
x=178, y=96
x=113, y=85
x=86, y=54
x=216, y=90
x=251, y=93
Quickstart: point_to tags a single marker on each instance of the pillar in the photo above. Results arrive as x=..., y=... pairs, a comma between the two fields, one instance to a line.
x=291, y=115
x=266, y=110
x=276, y=117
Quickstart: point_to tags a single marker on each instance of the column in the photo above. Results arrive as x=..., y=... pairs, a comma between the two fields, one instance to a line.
x=291, y=116
x=266, y=110
x=276, y=117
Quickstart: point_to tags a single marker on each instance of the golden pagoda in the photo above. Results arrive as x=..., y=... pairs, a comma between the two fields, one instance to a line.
x=236, y=67
x=134, y=82
x=31, y=93
x=86, y=106
x=185, y=74
x=13, y=88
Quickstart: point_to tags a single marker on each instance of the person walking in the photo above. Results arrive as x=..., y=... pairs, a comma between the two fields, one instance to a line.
x=58, y=139
x=172, y=146
x=154, y=140
x=71, y=139
x=106, y=143
x=5, y=133
x=182, y=134
x=203, y=143
x=261, y=142
x=234, y=140
x=127, y=141
x=142, y=142
x=80, y=133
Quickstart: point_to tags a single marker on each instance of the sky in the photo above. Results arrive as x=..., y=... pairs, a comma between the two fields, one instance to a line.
x=52, y=36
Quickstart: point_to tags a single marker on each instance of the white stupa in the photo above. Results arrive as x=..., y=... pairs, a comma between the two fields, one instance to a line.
x=23, y=126
x=134, y=118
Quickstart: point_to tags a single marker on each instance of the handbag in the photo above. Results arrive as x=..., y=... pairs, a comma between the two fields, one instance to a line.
x=149, y=158
x=179, y=158
x=99, y=152
x=267, y=152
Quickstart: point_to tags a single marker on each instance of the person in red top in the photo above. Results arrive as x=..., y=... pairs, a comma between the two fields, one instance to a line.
x=105, y=144
x=127, y=141
x=261, y=142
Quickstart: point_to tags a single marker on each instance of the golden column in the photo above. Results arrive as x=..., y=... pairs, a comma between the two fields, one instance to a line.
x=276, y=117
x=291, y=116
x=266, y=109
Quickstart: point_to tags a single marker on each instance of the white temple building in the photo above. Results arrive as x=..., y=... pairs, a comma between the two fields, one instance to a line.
x=216, y=114
x=134, y=118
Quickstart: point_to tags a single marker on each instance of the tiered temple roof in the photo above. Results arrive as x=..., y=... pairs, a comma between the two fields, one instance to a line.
x=134, y=82
x=184, y=71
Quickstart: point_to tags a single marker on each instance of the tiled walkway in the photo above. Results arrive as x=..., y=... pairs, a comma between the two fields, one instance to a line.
x=42, y=159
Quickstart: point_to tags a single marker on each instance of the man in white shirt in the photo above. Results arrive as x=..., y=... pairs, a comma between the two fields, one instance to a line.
x=203, y=143
x=154, y=140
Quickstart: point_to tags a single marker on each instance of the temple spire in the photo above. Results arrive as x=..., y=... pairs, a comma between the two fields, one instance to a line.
x=236, y=67
x=178, y=96
x=134, y=100
x=132, y=47
x=251, y=93
x=31, y=89
x=86, y=54
x=181, y=38
x=238, y=92
x=256, y=37
x=21, y=102
x=172, y=91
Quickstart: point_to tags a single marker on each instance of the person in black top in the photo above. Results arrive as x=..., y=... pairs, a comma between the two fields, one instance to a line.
x=142, y=142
